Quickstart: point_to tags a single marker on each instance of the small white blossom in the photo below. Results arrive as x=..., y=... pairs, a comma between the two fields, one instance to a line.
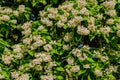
x=75, y=68
x=105, y=30
x=21, y=8
x=47, y=47
x=98, y=72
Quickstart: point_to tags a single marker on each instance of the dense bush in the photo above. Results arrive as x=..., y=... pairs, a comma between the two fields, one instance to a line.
x=77, y=40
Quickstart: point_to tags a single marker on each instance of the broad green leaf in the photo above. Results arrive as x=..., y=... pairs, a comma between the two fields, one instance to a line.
x=90, y=59
x=60, y=69
x=53, y=51
x=81, y=72
x=58, y=44
x=30, y=53
x=27, y=16
x=60, y=77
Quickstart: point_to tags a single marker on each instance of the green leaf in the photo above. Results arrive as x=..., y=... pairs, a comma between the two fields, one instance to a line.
x=1, y=35
x=5, y=74
x=89, y=77
x=90, y=59
x=106, y=39
x=60, y=77
x=30, y=52
x=44, y=31
x=4, y=43
x=43, y=1
x=65, y=27
x=53, y=51
x=58, y=44
x=55, y=1
x=14, y=26
x=47, y=37
x=91, y=37
x=27, y=16
x=60, y=69
x=81, y=72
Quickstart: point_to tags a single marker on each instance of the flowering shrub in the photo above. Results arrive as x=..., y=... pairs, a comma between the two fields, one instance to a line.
x=78, y=40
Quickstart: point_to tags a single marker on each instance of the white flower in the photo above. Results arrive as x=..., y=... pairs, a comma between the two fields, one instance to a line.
x=109, y=4
x=46, y=57
x=52, y=10
x=81, y=3
x=81, y=56
x=60, y=24
x=105, y=30
x=82, y=30
x=74, y=12
x=27, y=40
x=118, y=26
x=46, y=21
x=70, y=60
x=86, y=47
x=19, y=56
x=37, y=44
x=2, y=76
x=16, y=48
x=41, y=27
x=77, y=19
x=51, y=16
x=36, y=38
x=5, y=18
x=111, y=12
x=75, y=68
x=47, y=47
x=66, y=7
x=42, y=13
x=76, y=51
x=118, y=33
x=63, y=18
x=93, y=1
x=91, y=20
x=27, y=32
x=67, y=37
x=37, y=61
x=7, y=59
x=23, y=77
x=66, y=47
x=98, y=72
x=26, y=25
x=110, y=21
x=47, y=77
x=104, y=58
x=99, y=16
x=84, y=11
x=21, y=8
x=15, y=74
x=16, y=13
x=91, y=27
x=71, y=23
x=8, y=10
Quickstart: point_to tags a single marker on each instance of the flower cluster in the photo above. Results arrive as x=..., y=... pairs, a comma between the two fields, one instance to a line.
x=77, y=40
